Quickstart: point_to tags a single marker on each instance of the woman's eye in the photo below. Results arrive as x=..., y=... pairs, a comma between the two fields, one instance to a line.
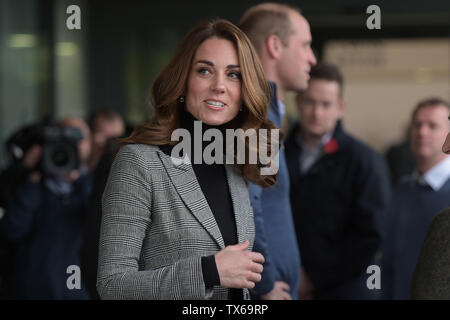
x=234, y=75
x=203, y=71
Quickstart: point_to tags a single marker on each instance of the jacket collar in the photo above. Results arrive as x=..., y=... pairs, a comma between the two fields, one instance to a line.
x=186, y=183
x=338, y=133
x=274, y=107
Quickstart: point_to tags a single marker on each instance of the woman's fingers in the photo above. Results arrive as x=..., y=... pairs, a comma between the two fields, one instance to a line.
x=239, y=268
x=256, y=267
x=254, y=277
x=256, y=257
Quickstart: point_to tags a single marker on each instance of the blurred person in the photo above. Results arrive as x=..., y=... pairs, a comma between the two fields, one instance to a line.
x=339, y=191
x=45, y=221
x=400, y=159
x=282, y=37
x=10, y=179
x=105, y=124
x=418, y=197
x=89, y=248
x=185, y=231
x=431, y=279
x=24, y=160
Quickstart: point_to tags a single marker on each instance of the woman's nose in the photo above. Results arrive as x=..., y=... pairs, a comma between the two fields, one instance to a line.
x=218, y=84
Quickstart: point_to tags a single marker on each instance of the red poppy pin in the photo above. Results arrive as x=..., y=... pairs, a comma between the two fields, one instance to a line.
x=331, y=146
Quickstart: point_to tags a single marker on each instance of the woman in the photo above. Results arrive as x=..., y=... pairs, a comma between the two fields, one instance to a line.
x=183, y=231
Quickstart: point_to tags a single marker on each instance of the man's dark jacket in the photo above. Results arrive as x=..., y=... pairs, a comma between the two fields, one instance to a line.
x=431, y=279
x=338, y=207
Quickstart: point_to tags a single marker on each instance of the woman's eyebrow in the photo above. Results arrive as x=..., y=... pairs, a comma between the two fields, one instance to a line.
x=209, y=63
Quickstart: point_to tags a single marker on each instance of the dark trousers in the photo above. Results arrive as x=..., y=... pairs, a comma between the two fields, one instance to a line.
x=355, y=289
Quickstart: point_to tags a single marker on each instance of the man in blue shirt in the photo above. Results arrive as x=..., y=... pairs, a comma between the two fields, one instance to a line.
x=282, y=37
x=418, y=198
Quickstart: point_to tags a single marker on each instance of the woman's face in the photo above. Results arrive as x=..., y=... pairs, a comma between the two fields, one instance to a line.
x=214, y=82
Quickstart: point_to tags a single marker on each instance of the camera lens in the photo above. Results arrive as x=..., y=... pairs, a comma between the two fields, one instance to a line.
x=60, y=150
x=60, y=157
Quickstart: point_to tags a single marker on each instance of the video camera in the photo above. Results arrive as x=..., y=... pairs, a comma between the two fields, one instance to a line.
x=59, y=145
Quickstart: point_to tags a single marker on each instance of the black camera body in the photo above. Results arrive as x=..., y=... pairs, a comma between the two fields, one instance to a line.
x=60, y=150
x=59, y=147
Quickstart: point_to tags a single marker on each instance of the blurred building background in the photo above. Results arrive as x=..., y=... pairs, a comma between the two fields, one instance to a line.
x=47, y=69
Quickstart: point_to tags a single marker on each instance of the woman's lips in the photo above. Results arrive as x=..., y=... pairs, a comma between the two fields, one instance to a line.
x=215, y=104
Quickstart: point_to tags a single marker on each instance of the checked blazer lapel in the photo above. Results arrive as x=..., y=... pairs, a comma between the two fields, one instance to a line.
x=187, y=186
x=239, y=196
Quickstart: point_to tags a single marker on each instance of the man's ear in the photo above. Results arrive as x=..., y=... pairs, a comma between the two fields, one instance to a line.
x=274, y=46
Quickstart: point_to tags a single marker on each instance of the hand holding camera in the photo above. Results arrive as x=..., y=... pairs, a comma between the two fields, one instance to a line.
x=49, y=150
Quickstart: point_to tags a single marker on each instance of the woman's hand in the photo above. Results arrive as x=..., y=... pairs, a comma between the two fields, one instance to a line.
x=239, y=268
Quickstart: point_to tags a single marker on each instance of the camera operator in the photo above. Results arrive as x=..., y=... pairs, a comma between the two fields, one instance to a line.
x=10, y=178
x=18, y=172
x=45, y=218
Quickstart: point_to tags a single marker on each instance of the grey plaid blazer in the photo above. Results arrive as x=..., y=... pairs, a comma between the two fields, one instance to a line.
x=156, y=226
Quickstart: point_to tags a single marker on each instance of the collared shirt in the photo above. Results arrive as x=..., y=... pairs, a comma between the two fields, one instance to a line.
x=436, y=176
x=281, y=109
x=309, y=156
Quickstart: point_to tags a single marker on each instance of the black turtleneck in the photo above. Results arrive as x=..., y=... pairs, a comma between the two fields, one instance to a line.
x=213, y=183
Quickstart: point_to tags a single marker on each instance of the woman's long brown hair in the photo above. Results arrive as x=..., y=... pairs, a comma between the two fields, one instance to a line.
x=171, y=83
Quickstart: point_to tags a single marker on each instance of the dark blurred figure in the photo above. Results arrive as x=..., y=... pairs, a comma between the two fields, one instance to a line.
x=418, y=198
x=105, y=124
x=24, y=159
x=10, y=179
x=400, y=160
x=89, y=249
x=45, y=217
x=431, y=278
x=339, y=191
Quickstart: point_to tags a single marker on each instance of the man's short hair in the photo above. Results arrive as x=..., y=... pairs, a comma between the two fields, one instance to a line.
x=429, y=102
x=261, y=21
x=107, y=113
x=328, y=72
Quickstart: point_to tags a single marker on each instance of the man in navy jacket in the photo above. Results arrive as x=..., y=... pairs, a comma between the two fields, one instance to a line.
x=339, y=190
